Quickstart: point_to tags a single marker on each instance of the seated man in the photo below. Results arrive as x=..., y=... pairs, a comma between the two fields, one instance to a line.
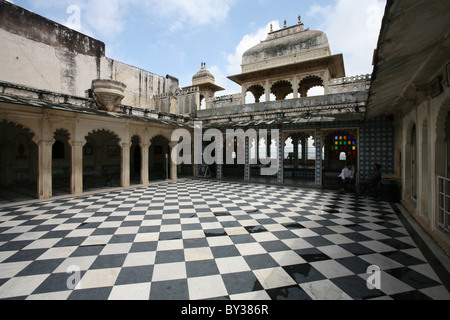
x=371, y=181
x=346, y=176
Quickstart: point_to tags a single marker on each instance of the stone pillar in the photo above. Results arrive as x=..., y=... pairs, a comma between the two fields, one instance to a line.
x=247, y=159
x=45, y=169
x=295, y=87
x=173, y=163
x=125, y=165
x=267, y=90
x=295, y=143
x=144, y=163
x=76, y=180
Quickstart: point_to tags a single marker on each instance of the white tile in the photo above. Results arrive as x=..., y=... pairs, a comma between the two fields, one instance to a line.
x=193, y=234
x=96, y=240
x=10, y=269
x=297, y=244
x=437, y=293
x=232, y=265
x=206, y=287
x=57, y=253
x=127, y=230
x=391, y=285
x=247, y=249
x=147, y=237
x=236, y=231
x=219, y=241
x=83, y=263
x=426, y=270
x=273, y=278
x=98, y=278
x=377, y=246
x=264, y=236
x=384, y=263
x=338, y=238
x=116, y=248
x=165, y=245
x=331, y=269
x=51, y=296
x=197, y=254
x=21, y=286
x=335, y=252
x=140, y=291
x=287, y=258
x=30, y=236
x=169, y=271
x=324, y=290
x=251, y=296
x=139, y=259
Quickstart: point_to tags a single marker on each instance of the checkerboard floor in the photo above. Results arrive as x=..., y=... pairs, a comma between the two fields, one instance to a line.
x=196, y=240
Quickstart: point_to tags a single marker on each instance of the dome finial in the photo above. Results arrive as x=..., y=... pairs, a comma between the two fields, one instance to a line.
x=300, y=20
x=285, y=23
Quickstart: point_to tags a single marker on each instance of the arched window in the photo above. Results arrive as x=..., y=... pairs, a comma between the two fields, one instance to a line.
x=58, y=150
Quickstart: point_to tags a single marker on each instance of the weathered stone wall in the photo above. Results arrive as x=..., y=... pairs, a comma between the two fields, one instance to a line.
x=43, y=54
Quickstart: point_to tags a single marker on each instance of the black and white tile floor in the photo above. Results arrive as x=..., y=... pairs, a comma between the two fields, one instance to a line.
x=195, y=240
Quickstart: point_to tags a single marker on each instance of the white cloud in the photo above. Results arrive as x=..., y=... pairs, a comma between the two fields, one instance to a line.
x=181, y=13
x=352, y=28
x=247, y=42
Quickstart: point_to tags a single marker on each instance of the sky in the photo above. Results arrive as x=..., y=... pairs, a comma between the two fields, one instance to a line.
x=175, y=36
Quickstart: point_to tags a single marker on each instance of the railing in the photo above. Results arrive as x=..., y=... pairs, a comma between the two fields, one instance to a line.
x=444, y=203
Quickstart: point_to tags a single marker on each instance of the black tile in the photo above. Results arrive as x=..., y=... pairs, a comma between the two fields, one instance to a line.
x=255, y=229
x=87, y=251
x=241, y=282
x=109, y=261
x=242, y=238
x=144, y=246
x=303, y=273
x=318, y=241
x=173, y=235
x=137, y=274
x=260, y=261
x=354, y=264
x=201, y=268
x=274, y=246
x=410, y=295
x=40, y=267
x=356, y=288
x=91, y=294
x=70, y=242
x=25, y=255
x=215, y=233
x=225, y=251
x=356, y=249
x=170, y=290
x=195, y=243
x=169, y=256
x=288, y=293
x=312, y=255
x=55, y=282
x=15, y=245
x=413, y=278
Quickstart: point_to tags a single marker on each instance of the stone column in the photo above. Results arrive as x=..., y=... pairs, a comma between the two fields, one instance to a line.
x=295, y=143
x=144, y=163
x=125, y=165
x=76, y=180
x=45, y=169
x=267, y=90
x=173, y=163
x=295, y=87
